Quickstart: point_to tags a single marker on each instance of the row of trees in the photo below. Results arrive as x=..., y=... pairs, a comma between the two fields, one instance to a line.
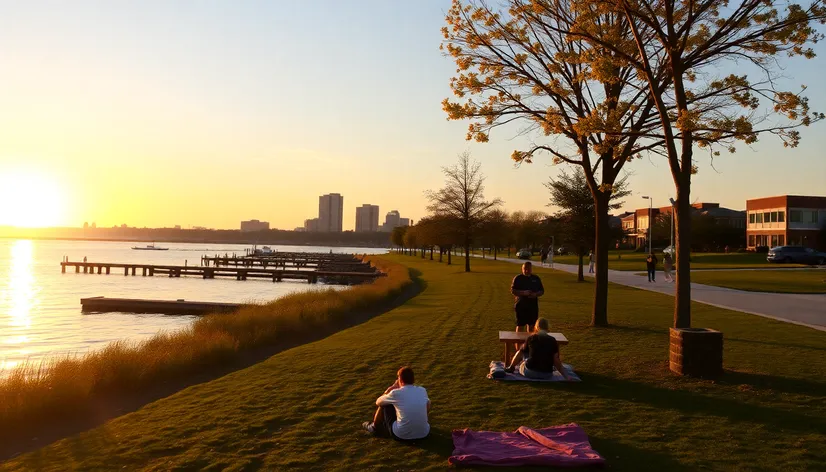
x=462, y=217
x=600, y=83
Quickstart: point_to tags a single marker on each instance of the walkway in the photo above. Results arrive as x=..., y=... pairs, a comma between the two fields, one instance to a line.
x=801, y=309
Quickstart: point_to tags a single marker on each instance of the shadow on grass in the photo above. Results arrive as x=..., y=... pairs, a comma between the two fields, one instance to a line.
x=692, y=403
x=619, y=455
x=108, y=407
x=773, y=343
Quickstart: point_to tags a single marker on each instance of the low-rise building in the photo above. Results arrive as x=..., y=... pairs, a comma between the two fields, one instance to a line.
x=311, y=225
x=794, y=220
x=254, y=225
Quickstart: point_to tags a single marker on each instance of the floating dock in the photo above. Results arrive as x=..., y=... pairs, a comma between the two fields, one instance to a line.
x=169, y=307
x=239, y=273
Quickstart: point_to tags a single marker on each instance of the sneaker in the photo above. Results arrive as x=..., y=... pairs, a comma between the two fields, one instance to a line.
x=369, y=426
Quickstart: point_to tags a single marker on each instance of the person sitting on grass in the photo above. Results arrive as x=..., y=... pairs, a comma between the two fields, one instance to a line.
x=539, y=355
x=402, y=410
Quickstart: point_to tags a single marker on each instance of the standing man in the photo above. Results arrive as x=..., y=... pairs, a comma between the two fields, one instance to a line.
x=527, y=288
x=590, y=262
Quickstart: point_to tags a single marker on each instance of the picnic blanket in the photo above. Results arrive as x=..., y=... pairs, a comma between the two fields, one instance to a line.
x=557, y=446
x=497, y=372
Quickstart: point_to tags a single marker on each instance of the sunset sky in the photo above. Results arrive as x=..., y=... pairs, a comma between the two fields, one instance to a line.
x=158, y=113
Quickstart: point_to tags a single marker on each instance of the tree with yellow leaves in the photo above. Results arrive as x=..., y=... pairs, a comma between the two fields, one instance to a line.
x=682, y=49
x=585, y=104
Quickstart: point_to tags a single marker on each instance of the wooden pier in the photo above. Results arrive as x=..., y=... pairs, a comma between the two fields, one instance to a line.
x=275, y=262
x=239, y=273
x=167, y=307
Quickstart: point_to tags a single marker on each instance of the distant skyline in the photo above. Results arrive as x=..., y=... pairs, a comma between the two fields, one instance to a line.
x=208, y=113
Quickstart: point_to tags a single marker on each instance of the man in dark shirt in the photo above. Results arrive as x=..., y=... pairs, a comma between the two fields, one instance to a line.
x=539, y=355
x=527, y=288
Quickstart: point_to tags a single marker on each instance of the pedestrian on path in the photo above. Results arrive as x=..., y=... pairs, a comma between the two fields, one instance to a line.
x=543, y=254
x=651, y=264
x=590, y=262
x=668, y=264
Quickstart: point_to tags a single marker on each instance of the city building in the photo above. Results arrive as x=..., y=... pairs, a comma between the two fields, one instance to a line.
x=635, y=224
x=793, y=220
x=311, y=225
x=330, y=213
x=367, y=218
x=391, y=220
x=254, y=225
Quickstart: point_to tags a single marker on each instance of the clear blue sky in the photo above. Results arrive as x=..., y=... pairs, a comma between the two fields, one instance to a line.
x=207, y=112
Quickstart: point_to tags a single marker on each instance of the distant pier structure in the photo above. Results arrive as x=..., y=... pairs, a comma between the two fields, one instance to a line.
x=312, y=267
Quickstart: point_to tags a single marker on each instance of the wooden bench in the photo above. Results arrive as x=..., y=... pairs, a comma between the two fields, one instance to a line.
x=518, y=337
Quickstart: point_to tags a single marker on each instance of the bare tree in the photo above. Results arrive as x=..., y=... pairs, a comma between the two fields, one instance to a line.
x=463, y=198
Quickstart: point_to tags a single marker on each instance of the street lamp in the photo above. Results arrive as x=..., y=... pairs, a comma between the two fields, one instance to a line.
x=673, y=250
x=650, y=223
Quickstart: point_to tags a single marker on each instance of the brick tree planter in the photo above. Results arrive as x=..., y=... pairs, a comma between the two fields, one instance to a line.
x=697, y=352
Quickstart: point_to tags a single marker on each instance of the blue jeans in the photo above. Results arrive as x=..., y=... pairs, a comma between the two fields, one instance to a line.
x=652, y=275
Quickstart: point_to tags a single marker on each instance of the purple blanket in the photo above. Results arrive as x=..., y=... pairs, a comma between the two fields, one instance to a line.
x=558, y=446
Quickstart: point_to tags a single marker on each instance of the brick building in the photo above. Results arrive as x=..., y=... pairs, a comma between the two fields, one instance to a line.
x=793, y=220
x=636, y=223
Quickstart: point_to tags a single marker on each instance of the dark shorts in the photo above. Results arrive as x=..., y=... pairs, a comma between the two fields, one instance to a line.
x=385, y=429
x=526, y=317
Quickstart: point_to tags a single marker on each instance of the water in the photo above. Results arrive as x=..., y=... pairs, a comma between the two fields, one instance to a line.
x=40, y=313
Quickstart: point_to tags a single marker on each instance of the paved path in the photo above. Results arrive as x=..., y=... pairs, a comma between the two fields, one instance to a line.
x=801, y=309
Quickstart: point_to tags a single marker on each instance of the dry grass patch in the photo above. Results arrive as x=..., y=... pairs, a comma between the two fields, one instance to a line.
x=35, y=395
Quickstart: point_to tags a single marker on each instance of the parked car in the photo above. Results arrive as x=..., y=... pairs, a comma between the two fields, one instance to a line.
x=796, y=255
x=523, y=254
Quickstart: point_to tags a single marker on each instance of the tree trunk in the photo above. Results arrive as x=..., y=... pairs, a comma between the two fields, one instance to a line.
x=580, y=277
x=495, y=250
x=449, y=253
x=682, y=237
x=431, y=253
x=509, y=251
x=467, y=254
x=599, y=314
x=441, y=251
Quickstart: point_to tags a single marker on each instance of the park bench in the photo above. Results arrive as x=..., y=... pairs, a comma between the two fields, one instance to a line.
x=518, y=337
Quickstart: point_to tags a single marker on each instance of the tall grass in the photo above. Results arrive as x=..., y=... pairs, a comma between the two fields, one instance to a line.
x=33, y=396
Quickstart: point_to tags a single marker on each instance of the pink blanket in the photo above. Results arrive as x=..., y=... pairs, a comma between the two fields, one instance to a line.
x=559, y=446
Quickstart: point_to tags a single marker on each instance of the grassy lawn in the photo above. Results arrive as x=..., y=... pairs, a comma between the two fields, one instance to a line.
x=301, y=409
x=783, y=281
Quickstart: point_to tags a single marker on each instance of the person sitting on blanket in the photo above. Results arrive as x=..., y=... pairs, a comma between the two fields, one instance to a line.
x=402, y=410
x=539, y=355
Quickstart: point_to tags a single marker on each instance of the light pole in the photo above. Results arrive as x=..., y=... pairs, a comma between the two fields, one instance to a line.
x=673, y=250
x=650, y=223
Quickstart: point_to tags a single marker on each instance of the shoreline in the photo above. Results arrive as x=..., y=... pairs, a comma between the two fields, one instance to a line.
x=193, y=241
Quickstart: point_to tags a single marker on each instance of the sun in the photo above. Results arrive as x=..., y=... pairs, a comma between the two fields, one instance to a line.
x=30, y=200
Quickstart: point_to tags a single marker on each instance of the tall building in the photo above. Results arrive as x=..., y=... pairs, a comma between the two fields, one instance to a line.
x=311, y=225
x=330, y=213
x=254, y=225
x=367, y=218
x=391, y=220
x=793, y=220
x=404, y=222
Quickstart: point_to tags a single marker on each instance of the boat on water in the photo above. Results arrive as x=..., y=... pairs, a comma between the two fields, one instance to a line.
x=150, y=247
x=264, y=251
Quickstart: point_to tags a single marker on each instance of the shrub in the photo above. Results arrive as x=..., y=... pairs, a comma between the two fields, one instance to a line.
x=34, y=395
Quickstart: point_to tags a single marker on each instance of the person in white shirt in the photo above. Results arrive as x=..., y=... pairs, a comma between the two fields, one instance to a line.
x=402, y=410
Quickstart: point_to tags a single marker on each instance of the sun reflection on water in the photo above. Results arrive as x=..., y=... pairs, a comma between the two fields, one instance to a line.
x=21, y=290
